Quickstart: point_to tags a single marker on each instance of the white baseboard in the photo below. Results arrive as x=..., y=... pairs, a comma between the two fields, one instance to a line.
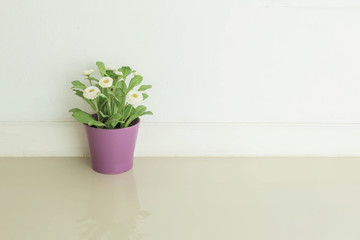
x=189, y=139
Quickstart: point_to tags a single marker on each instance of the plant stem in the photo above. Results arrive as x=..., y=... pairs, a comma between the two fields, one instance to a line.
x=97, y=111
x=127, y=119
x=89, y=80
x=109, y=101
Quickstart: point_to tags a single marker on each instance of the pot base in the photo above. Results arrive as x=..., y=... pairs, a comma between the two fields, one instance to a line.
x=110, y=173
x=112, y=169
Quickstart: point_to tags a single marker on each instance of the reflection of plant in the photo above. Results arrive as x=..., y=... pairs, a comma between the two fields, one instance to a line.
x=115, y=102
x=113, y=209
x=125, y=229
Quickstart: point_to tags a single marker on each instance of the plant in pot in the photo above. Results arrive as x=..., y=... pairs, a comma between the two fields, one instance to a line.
x=112, y=130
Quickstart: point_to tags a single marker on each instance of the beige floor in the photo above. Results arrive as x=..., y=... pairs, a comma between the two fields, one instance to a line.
x=181, y=199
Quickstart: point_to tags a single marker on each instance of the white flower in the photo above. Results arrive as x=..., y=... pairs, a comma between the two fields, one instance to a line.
x=137, y=73
x=134, y=97
x=111, y=67
x=106, y=82
x=118, y=73
x=87, y=72
x=91, y=92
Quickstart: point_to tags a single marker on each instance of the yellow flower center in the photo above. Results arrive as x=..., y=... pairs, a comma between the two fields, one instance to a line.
x=135, y=95
x=106, y=80
x=91, y=90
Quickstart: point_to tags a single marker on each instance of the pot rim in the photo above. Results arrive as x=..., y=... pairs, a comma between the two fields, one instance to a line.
x=115, y=129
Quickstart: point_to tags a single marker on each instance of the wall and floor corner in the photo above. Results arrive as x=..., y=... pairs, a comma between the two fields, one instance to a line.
x=189, y=139
x=230, y=78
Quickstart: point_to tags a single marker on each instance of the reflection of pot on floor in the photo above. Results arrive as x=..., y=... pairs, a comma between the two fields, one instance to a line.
x=113, y=208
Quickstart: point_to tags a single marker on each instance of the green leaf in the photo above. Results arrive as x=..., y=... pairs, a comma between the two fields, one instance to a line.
x=120, y=97
x=103, y=115
x=111, y=74
x=147, y=113
x=96, y=123
x=78, y=93
x=102, y=95
x=145, y=96
x=75, y=110
x=132, y=118
x=144, y=87
x=101, y=67
x=113, y=120
x=122, y=86
x=125, y=70
x=78, y=84
x=135, y=81
x=140, y=110
x=113, y=94
x=120, y=92
x=82, y=116
x=115, y=107
x=129, y=110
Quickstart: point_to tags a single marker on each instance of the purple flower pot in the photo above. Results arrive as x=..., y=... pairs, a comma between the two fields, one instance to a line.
x=112, y=150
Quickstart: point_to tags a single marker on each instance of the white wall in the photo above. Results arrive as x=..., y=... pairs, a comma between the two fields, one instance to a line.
x=214, y=61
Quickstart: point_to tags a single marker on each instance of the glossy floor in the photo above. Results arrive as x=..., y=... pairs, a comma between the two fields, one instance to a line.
x=181, y=199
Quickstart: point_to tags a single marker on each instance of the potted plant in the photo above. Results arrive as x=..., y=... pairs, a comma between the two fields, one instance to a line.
x=112, y=130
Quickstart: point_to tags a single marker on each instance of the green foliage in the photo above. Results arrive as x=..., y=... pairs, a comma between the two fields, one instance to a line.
x=75, y=110
x=78, y=93
x=113, y=120
x=129, y=110
x=135, y=81
x=78, y=84
x=122, y=88
x=110, y=74
x=144, y=87
x=102, y=95
x=103, y=115
x=125, y=70
x=101, y=67
x=86, y=118
x=96, y=123
x=110, y=103
x=145, y=96
x=147, y=113
x=139, y=111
